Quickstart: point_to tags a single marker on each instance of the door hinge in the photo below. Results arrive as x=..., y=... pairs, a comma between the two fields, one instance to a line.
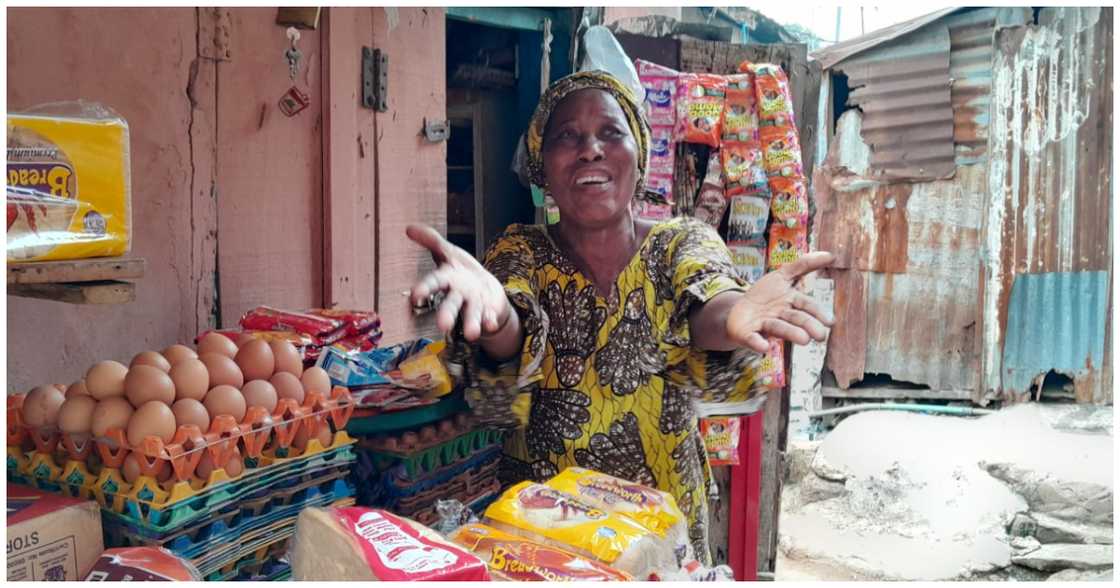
x=375, y=79
x=215, y=28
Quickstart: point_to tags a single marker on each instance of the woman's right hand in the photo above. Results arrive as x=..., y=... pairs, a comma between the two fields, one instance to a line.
x=471, y=292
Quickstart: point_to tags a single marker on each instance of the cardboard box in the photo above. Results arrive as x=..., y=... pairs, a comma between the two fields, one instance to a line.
x=51, y=537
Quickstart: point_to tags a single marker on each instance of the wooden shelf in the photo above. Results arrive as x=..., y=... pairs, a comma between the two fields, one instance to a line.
x=81, y=281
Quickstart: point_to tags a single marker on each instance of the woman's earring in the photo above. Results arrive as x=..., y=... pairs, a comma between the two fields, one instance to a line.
x=538, y=195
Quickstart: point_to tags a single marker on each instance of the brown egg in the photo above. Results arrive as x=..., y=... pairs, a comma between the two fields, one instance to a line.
x=151, y=358
x=233, y=468
x=131, y=469
x=225, y=399
x=61, y=387
x=191, y=379
x=189, y=411
x=145, y=383
x=77, y=389
x=110, y=413
x=243, y=338
x=153, y=418
x=260, y=393
x=106, y=379
x=222, y=370
x=215, y=343
x=287, y=358
x=176, y=353
x=41, y=407
x=315, y=379
x=287, y=386
x=235, y=465
x=427, y=434
x=76, y=415
x=302, y=436
x=256, y=360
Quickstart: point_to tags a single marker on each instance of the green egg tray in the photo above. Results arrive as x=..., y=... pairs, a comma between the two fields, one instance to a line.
x=426, y=461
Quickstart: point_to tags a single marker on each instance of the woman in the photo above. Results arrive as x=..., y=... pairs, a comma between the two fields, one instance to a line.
x=590, y=338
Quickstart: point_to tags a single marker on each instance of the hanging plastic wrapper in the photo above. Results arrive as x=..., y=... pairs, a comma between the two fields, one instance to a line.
x=721, y=439
x=711, y=204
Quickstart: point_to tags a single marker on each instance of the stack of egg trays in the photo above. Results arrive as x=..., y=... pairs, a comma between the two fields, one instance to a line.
x=423, y=462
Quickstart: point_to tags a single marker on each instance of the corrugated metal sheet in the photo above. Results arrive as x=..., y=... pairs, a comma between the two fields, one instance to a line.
x=1051, y=175
x=1055, y=321
x=902, y=87
x=834, y=54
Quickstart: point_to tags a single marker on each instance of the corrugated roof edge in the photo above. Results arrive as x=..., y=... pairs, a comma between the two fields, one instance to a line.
x=830, y=56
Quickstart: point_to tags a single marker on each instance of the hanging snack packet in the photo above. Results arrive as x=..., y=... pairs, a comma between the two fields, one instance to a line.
x=654, y=509
x=740, y=115
x=748, y=220
x=721, y=439
x=711, y=204
x=749, y=261
x=654, y=212
x=775, y=102
x=742, y=164
x=781, y=151
x=790, y=202
x=662, y=185
x=772, y=368
x=700, y=100
x=785, y=246
x=660, y=84
x=662, y=150
x=517, y=559
x=543, y=514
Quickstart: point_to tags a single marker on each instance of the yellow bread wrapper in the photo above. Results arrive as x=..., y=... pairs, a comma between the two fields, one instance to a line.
x=518, y=559
x=546, y=515
x=68, y=183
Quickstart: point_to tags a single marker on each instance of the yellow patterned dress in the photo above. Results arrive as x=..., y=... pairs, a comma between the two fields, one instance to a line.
x=609, y=383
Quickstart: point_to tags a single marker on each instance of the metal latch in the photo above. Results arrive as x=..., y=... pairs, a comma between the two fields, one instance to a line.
x=437, y=130
x=375, y=79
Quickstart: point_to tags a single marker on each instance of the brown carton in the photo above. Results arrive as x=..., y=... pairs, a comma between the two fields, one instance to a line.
x=51, y=537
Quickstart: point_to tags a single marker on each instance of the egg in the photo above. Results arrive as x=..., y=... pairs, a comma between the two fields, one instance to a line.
x=153, y=418
x=77, y=389
x=427, y=434
x=287, y=386
x=233, y=467
x=176, y=353
x=131, y=469
x=189, y=411
x=287, y=358
x=106, y=379
x=260, y=393
x=191, y=379
x=315, y=379
x=151, y=358
x=215, y=343
x=41, y=407
x=409, y=441
x=145, y=383
x=61, y=387
x=110, y=413
x=222, y=371
x=256, y=360
x=225, y=399
x=302, y=436
x=243, y=338
x=76, y=415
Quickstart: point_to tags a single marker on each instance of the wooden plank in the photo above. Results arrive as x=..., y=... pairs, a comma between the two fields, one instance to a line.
x=98, y=292
x=81, y=270
x=775, y=416
x=349, y=206
x=202, y=93
x=719, y=515
x=411, y=172
x=892, y=393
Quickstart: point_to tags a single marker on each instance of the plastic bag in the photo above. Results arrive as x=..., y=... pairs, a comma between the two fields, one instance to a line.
x=775, y=102
x=700, y=99
x=749, y=261
x=662, y=152
x=711, y=203
x=452, y=515
x=790, y=202
x=772, y=369
x=69, y=191
x=721, y=439
x=748, y=220
x=740, y=114
x=785, y=246
x=142, y=564
x=743, y=167
x=781, y=151
x=660, y=85
x=602, y=52
x=518, y=559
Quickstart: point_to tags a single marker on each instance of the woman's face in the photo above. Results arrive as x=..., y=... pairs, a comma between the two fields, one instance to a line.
x=590, y=159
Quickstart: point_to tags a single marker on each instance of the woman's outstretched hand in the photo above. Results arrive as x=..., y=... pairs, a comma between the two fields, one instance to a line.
x=773, y=307
x=470, y=291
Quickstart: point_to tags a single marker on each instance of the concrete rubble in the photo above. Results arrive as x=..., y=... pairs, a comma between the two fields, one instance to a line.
x=1021, y=494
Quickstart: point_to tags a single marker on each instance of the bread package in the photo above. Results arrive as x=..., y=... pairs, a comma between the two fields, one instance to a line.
x=357, y=543
x=518, y=559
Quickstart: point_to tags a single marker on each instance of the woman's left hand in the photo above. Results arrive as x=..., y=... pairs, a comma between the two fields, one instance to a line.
x=773, y=307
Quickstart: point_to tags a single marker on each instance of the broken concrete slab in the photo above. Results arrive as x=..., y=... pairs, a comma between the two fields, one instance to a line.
x=1060, y=556
x=821, y=467
x=1022, y=526
x=1080, y=502
x=815, y=489
x=1079, y=418
x=799, y=460
x=1072, y=575
x=1051, y=529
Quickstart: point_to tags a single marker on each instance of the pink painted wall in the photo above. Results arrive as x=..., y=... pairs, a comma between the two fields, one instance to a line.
x=223, y=195
x=614, y=13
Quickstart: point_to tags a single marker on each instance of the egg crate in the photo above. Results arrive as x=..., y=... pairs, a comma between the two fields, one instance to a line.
x=465, y=480
x=425, y=461
x=482, y=496
x=469, y=483
x=250, y=560
x=396, y=483
x=235, y=519
x=261, y=438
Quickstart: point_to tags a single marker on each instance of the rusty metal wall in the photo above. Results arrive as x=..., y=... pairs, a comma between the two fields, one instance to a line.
x=1051, y=192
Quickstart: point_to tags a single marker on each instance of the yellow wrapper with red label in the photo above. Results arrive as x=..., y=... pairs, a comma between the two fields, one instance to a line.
x=775, y=101
x=789, y=203
x=68, y=184
x=654, y=509
x=517, y=559
x=721, y=439
x=785, y=246
x=740, y=115
x=546, y=515
x=781, y=152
